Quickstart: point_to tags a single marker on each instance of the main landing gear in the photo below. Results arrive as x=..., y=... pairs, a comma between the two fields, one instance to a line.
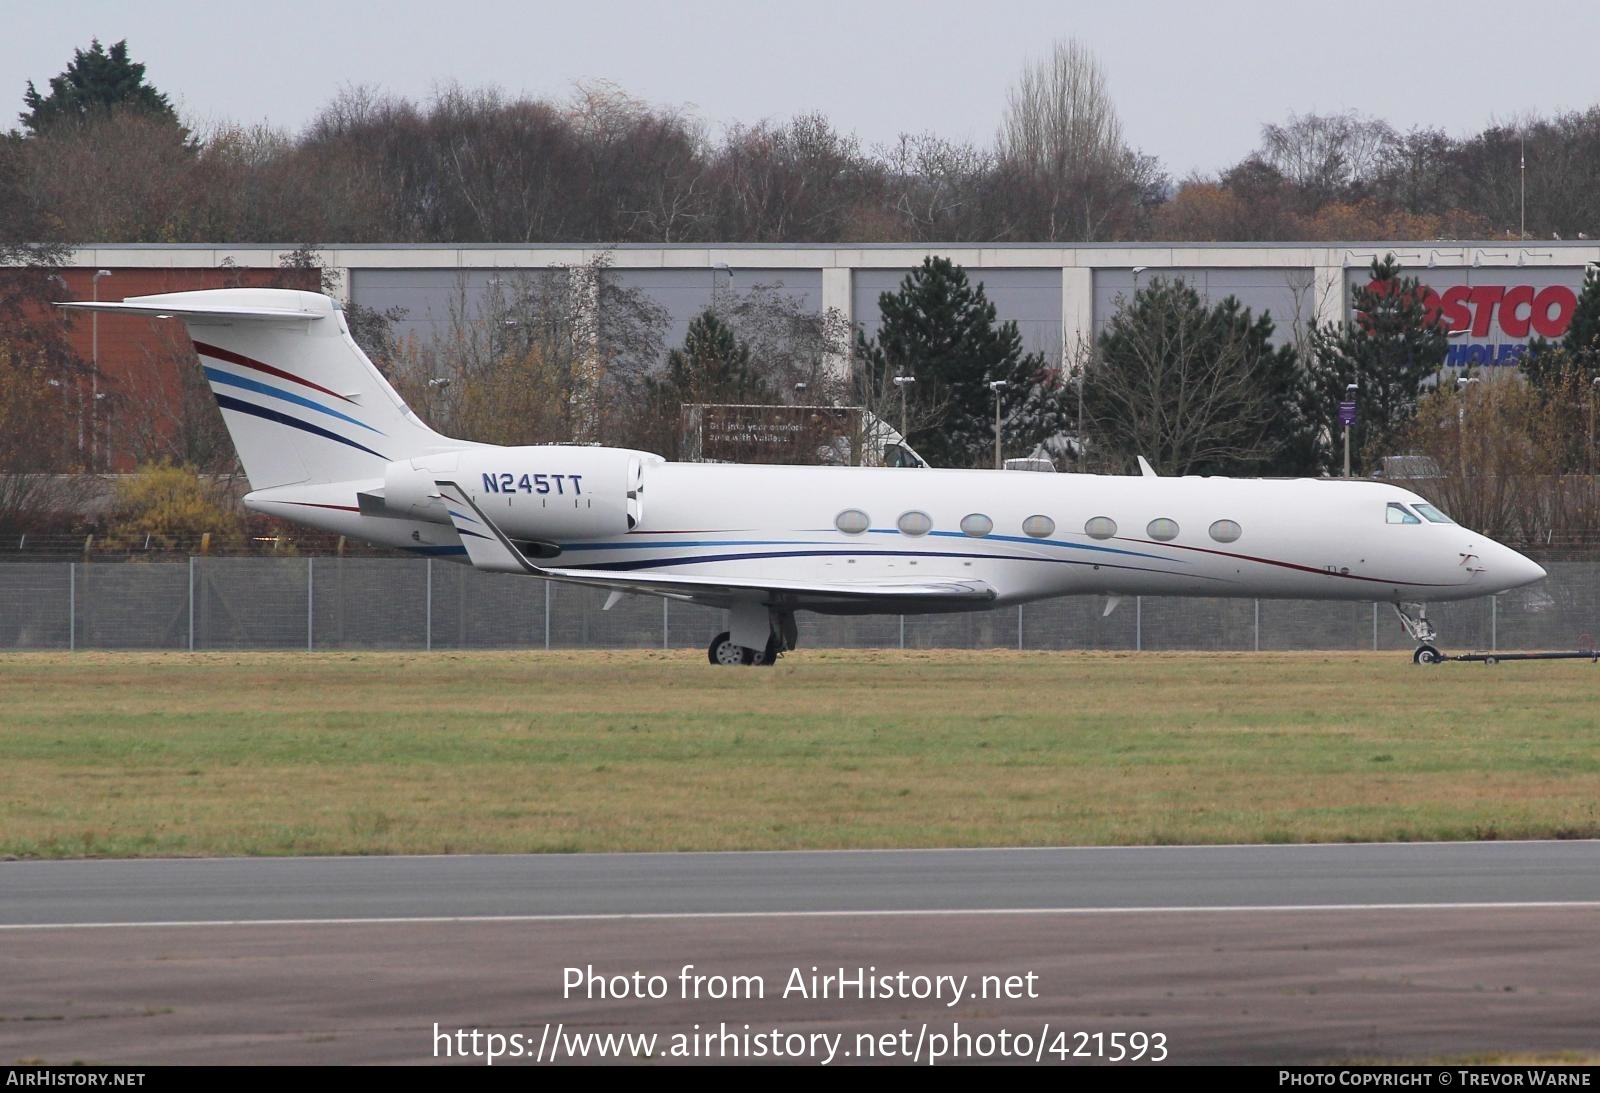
x=724, y=652
x=1422, y=632
x=752, y=622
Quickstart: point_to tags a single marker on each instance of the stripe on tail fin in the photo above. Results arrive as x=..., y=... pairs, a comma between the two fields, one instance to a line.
x=301, y=401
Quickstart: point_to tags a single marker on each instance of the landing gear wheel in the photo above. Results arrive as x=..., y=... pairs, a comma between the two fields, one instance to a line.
x=1426, y=654
x=724, y=652
x=767, y=657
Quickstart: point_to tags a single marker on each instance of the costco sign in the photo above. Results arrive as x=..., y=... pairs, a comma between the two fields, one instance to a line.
x=1499, y=311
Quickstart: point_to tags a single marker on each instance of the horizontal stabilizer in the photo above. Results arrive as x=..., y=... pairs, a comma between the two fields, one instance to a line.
x=222, y=305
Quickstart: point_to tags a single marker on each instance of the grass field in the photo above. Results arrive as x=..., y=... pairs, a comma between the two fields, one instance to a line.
x=105, y=754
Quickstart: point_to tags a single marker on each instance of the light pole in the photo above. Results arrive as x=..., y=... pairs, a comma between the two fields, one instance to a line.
x=94, y=378
x=1463, y=385
x=996, y=386
x=1594, y=390
x=1347, y=416
x=903, y=382
x=1081, y=377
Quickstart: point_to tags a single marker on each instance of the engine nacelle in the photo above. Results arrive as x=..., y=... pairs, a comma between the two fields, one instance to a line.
x=543, y=493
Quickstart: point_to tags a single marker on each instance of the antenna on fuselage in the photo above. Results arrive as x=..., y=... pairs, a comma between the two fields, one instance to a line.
x=1145, y=468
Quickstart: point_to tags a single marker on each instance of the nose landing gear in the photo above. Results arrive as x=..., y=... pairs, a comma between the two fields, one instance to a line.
x=1422, y=632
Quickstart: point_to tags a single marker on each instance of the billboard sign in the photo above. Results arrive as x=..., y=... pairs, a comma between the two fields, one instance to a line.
x=1497, y=310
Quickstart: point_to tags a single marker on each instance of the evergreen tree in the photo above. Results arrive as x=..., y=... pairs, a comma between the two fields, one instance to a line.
x=95, y=82
x=941, y=330
x=713, y=366
x=1195, y=389
x=1547, y=363
x=1391, y=347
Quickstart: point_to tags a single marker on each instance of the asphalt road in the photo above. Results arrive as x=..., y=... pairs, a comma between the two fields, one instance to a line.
x=1264, y=955
x=296, y=889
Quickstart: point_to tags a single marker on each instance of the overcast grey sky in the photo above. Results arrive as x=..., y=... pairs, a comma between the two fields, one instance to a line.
x=1193, y=82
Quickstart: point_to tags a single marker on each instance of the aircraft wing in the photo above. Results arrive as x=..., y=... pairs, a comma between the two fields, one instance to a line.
x=488, y=548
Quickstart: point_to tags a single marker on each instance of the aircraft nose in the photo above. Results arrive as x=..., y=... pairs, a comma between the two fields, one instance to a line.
x=1513, y=570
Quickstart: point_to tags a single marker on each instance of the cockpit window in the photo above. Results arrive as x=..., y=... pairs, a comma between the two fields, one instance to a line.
x=1399, y=514
x=1431, y=514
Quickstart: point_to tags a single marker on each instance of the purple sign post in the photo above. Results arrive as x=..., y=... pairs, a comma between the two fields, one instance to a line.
x=1347, y=418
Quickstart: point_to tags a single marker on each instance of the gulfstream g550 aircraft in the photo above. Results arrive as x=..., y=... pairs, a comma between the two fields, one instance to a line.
x=325, y=441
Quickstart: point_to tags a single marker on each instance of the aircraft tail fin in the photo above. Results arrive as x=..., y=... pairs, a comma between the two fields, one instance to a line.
x=301, y=401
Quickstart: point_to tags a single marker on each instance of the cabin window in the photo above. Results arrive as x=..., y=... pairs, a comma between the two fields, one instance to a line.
x=852, y=521
x=1432, y=515
x=1039, y=527
x=1100, y=527
x=1226, y=531
x=1162, y=529
x=1399, y=514
x=977, y=525
x=915, y=523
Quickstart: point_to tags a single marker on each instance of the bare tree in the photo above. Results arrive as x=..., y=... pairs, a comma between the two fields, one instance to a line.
x=539, y=357
x=1326, y=156
x=1063, y=140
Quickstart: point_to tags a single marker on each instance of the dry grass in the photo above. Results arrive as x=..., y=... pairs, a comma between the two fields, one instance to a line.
x=285, y=753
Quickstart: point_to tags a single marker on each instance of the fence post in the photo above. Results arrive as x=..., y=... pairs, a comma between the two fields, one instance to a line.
x=664, y=604
x=1494, y=624
x=1138, y=624
x=72, y=606
x=1374, y=626
x=427, y=601
x=1019, y=628
x=902, y=631
x=1258, y=626
x=191, y=603
x=310, y=591
x=547, y=616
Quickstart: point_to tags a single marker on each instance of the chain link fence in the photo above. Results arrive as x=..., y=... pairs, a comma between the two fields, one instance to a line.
x=373, y=603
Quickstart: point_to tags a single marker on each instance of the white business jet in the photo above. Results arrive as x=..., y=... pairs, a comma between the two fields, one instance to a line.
x=325, y=441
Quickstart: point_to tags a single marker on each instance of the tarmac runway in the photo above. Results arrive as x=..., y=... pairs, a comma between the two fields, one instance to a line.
x=1264, y=954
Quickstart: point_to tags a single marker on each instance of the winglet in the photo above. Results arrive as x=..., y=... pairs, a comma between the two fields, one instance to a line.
x=487, y=546
x=1145, y=468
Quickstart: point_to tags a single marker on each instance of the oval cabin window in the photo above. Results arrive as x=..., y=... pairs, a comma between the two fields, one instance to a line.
x=977, y=525
x=1039, y=527
x=915, y=523
x=1101, y=527
x=1162, y=529
x=852, y=521
x=1226, y=531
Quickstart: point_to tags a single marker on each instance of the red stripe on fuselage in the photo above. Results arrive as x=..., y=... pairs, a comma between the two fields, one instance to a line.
x=246, y=362
x=1283, y=565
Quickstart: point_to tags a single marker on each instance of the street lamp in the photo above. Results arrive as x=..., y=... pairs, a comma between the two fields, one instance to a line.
x=94, y=377
x=903, y=382
x=1463, y=385
x=1347, y=416
x=1594, y=390
x=996, y=386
